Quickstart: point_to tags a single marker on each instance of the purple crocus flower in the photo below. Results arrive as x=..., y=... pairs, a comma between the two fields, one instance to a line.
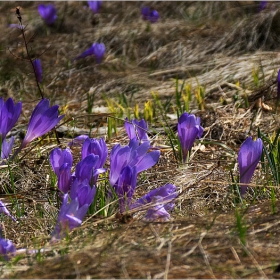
x=125, y=187
x=9, y=114
x=78, y=141
x=95, y=5
x=7, y=147
x=83, y=192
x=95, y=147
x=61, y=162
x=168, y=192
x=4, y=210
x=157, y=212
x=162, y=198
x=38, y=70
x=43, y=119
x=188, y=130
x=149, y=14
x=136, y=129
x=278, y=85
x=87, y=169
x=48, y=13
x=248, y=158
x=132, y=155
x=262, y=5
x=98, y=50
x=7, y=248
x=58, y=157
x=70, y=216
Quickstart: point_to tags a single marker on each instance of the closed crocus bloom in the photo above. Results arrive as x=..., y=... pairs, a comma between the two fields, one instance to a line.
x=7, y=248
x=149, y=14
x=64, y=178
x=43, y=119
x=83, y=192
x=48, y=13
x=136, y=129
x=125, y=187
x=248, y=158
x=87, y=169
x=70, y=216
x=94, y=5
x=188, y=130
x=95, y=147
x=98, y=50
x=38, y=70
x=58, y=157
x=7, y=147
x=9, y=114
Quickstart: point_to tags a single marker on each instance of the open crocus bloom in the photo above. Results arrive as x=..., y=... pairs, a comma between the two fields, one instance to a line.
x=98, y=50
x=248, y=158
x=38, y=70
x=9, y=114
x=188, y=130
x=48, y=13
x=136, y=129
x=43, y=119
x=131, y=155
x=95, y=5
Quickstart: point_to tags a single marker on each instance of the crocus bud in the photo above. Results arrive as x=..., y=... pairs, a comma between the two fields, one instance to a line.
x=248, y=157
x=188, y=130
x=94, y=5
x=48, y=13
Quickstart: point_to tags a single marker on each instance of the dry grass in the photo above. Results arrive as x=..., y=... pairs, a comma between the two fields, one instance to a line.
x=213, y=44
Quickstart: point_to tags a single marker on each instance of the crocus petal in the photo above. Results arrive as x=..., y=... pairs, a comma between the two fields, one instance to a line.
x=157, y=212
x=7, y=248
x=4, y=210
x=38, y=70
x=48, y=13
x=43, y=119
x=168, y=193
x=70, y=216
x=126, y=187
x=94, y=5
x=79, y=140
x=9, y=114
x=85, y=168
x=64, y=178
x=99, y=51
x=118, y=160
x=248, y=157
x=58, y=157
x=188, y=130
x=148, y=161
x=7, y=147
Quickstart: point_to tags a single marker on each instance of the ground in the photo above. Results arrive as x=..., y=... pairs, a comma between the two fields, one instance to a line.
x=229, y=51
